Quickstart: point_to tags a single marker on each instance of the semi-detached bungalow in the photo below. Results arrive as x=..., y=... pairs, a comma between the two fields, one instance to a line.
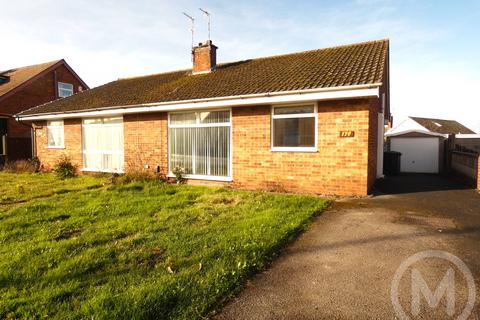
x=309, y=122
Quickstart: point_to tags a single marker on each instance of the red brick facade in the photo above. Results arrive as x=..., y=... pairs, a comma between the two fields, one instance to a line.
x=341, y=166
x=37, y=92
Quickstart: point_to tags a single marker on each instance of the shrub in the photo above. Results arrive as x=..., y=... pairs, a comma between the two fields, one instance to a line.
x=64, y=168
x=178, y=172
x=35, y=161
x=19, y=166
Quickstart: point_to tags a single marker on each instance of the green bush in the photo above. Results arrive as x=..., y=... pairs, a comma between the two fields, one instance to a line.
x=64, y=168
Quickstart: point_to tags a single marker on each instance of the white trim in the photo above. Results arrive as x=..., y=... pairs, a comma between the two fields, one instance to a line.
x=50, y=127
x=467, y=136
x=203, y=177
x=63, y=89
x=274, y=116
x=219, y=102
x=103, y=152
x=3, y=151
x=98, y=170
x=399, y=133
x=294, y=149
x=202, y=125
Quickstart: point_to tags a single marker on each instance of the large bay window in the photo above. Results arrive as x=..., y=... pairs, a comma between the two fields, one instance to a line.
x=294, y=128
x=55, y=134
x=200, y=144
x=102, y=140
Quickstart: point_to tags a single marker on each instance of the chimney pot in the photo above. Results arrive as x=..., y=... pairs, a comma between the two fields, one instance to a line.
x=204, y=57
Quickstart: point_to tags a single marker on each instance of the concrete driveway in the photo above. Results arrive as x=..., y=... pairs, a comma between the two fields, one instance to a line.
x=344, y=265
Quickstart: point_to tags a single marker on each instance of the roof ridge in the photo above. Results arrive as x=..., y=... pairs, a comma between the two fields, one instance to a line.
x=260, y=58
x=31, y=65
x=318, y=49
x=413, y=117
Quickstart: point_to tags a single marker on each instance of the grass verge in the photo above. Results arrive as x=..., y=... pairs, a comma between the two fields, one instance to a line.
x=144, y=250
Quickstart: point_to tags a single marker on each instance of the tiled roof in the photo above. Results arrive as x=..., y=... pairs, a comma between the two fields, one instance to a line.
x=355, y=64
x=20, y=75
x=443, y=126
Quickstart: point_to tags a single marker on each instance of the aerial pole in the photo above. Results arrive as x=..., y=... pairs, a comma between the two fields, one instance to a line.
x=208, y=17
x=192, y=28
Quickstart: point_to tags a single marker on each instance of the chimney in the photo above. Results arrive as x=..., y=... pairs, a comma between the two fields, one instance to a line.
x=204, y=57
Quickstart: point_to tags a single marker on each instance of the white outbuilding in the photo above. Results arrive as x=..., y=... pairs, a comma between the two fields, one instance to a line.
x=421, y=141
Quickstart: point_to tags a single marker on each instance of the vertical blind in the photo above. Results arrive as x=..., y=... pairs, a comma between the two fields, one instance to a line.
x=103, y=144
x=199, y=142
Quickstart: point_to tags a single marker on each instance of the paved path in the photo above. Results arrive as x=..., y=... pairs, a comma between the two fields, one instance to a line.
x=343, y=266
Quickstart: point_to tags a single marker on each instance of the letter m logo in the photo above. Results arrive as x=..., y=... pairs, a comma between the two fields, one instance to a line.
x=446, y=287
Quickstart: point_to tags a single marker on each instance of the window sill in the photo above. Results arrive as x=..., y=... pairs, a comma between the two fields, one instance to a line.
x=59, y=147
x=102, y=171
x=293, y=149
x=200, y=177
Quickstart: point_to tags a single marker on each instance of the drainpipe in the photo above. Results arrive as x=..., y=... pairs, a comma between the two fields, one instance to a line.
x=55, y=84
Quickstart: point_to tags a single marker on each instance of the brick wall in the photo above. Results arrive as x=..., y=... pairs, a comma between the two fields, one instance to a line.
x=73, y=143
x=40, y=91
x=339, y=166
x=146, y=141
x=342, y=166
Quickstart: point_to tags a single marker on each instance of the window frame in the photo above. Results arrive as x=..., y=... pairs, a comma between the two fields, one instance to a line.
x=202, y=125
x=64, y=83
x=273, y=116
x=85, y=169
x=49, y=127
x=3, y=149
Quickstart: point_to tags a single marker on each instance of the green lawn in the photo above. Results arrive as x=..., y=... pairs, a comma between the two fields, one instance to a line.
x=82, y=248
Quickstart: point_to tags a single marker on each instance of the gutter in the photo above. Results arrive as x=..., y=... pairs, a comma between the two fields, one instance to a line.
x=241, y=100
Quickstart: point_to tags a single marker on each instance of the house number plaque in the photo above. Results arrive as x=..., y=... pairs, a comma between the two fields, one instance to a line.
x=347, y=134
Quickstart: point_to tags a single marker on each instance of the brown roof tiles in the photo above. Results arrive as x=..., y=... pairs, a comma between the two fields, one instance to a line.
x=355, y=64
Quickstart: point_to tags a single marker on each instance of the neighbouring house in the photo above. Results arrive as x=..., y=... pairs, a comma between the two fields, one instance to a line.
x=23, y=88
x=309, y=122
x=423, y=143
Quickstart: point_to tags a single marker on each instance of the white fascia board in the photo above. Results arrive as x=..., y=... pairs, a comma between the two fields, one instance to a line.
x=399, y=133
x=407, y=124
x=257, y=99
x=467, y=136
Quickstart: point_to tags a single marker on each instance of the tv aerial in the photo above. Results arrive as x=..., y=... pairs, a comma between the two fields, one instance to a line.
x=208, y=17
x=192, y=28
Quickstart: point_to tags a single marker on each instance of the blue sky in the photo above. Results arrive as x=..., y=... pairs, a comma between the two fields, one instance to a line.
x=435, y=47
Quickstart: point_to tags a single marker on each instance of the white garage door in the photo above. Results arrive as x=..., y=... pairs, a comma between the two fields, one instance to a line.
x=418, y=154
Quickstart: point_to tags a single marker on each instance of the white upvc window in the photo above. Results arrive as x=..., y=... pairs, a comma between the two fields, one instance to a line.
x=65, y=89
x=102, y=143
x=3, y=144
x=55, y=134
x=200, y=144
x=294, y=128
